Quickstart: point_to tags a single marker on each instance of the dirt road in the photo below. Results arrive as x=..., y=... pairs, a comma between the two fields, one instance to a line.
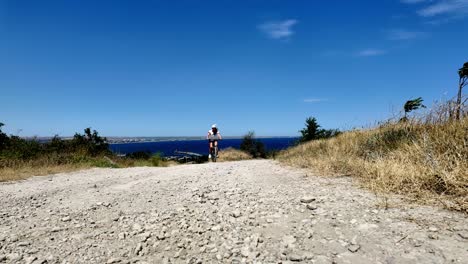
x=234, y=212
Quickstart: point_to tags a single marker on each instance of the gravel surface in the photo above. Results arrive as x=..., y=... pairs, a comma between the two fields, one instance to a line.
x=235, y=212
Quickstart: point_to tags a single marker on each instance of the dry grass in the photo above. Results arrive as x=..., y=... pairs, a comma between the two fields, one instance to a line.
x=425, y=160
x=14, y=174
x=232, y=154
x=19, y=170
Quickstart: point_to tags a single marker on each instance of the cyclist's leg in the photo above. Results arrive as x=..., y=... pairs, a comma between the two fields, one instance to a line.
x=216, y=144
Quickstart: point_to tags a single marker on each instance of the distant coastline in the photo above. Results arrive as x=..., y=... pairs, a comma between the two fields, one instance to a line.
x=123, y=140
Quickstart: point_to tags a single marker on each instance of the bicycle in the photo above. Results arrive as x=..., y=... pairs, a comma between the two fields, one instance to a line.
x=214, y=149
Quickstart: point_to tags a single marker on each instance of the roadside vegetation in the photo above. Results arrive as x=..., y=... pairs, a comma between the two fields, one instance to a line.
x=253, y=146
x=422, y=157
x=232, y=154
x=21, y=158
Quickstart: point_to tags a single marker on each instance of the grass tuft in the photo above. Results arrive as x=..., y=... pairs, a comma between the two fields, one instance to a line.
x=232, y=154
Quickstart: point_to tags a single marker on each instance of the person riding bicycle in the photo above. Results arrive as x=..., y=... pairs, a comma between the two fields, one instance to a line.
x=213, y=137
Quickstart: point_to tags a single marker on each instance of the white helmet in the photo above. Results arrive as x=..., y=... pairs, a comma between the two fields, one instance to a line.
x=213, y=126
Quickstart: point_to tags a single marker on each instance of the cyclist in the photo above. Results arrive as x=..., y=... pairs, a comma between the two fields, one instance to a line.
x=213, y=137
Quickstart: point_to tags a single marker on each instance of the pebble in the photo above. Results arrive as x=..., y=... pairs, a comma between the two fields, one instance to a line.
x=138, y=249
x=354, y=248
x=236, y=213
x=66, y=219
x=307, y=199
x=311, y=206
x=216, y=228
x=295, y=257
x=245, y=252
x=14, y=257
x=122, y=236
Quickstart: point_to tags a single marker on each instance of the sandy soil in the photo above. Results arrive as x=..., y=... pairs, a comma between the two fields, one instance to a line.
x=235, y=212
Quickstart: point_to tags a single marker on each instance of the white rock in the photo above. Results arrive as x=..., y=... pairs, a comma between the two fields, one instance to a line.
x=307, y=199
x=236, y=213
x=354, y=248
x=295, y=257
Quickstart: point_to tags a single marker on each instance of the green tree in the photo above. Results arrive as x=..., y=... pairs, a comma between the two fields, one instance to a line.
x=313, y=131
x=90, y=142
x=3, y=138
x=412, y=105
x=463, y=81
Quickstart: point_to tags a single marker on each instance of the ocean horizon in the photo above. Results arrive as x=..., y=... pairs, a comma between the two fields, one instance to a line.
x=200, y=146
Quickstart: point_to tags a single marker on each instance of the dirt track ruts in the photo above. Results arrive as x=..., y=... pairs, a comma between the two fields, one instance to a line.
x=235, y=212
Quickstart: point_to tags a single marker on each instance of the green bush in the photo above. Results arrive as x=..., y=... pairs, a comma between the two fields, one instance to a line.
x=253, y=146
x=156, y=160
x=14, y=148
x=90, y=143
x=3, y=138
x=103, y=163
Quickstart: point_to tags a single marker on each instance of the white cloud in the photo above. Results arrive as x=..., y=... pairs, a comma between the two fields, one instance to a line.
x=314, y=100
x=440, y=7
x=445, y=7
x=403, y=34
x=278, y=29
x=370, y=53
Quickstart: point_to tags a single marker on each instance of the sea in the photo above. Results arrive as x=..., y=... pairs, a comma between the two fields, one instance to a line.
x=169, y=148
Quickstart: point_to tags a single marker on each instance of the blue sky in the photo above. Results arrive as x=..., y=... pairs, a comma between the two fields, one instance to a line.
x=172, y=68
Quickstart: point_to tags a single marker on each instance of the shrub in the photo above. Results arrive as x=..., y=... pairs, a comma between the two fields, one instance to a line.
x=3, y=138
x=384, y=140
x=232, y=154
x=156, y=160
x=253, y=146
x=14, y=149
x=90, y=143
x=312, y=131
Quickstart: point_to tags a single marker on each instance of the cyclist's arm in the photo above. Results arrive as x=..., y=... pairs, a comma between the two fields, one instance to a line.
x=220, y=137
x=208, y=135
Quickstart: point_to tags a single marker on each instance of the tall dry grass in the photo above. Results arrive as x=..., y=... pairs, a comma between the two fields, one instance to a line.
x=425, y=159
x=26, y=171
x=232, y=154
x=11, y=170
